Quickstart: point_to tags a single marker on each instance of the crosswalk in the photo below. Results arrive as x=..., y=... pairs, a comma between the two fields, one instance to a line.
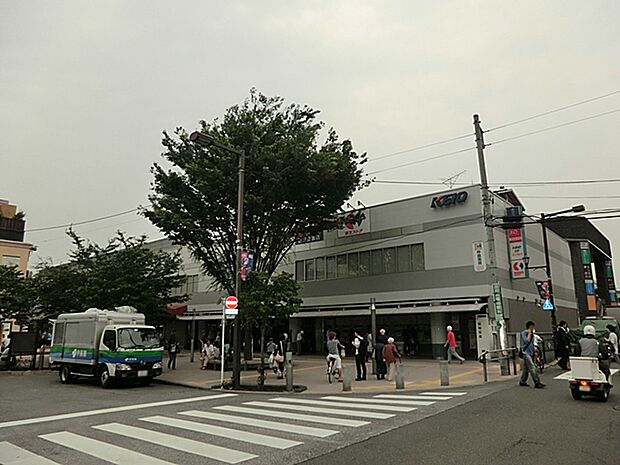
x=245, y=429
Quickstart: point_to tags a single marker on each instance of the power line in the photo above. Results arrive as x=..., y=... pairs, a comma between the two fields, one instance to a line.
x=419, y=147
x=550, y=128
x=571, y=197
x=101, y=218
x=565, y=107
x=415, y=162
x=502, y=184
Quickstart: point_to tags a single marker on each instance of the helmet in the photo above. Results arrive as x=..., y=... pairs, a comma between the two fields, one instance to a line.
x=589, y=330
x=449, y=328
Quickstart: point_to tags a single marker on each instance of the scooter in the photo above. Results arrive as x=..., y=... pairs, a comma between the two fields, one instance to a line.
x=587, y=379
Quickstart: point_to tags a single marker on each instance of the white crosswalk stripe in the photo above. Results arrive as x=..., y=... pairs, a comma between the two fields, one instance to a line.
x=13, y=455
x=366, y=400
x=328, y=411
x=102, y=450
x=266, y=424
x=228, y=433
x=293, y=416
x=430, y=399
x=443, y=393
x=333, y=403
x=211, y=451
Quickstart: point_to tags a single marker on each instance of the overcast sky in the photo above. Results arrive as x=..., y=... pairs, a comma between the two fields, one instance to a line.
x=86, y=89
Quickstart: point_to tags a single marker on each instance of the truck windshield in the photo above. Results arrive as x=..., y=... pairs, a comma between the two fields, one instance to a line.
x=138, y=338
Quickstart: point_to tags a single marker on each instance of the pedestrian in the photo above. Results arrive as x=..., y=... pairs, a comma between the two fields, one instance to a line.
x=299, y=340
x=527, y=352
x=450, y=344
x=209, y=354
x=361, y=348
x=613, y=340
x=390, y=354
x=562, y=345
x=370, y=346
x=381, y=368
x=280, y=355
x=173, y=350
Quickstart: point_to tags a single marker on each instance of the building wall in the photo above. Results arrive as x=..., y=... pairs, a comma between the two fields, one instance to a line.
x=15, y=254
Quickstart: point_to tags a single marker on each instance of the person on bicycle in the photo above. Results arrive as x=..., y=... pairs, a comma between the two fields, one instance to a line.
x=333, y=353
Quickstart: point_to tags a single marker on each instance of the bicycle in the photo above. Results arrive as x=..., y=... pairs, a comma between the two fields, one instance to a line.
x=331, y=369
x=539, y=361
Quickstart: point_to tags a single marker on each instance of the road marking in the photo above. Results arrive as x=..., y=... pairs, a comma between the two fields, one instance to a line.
x=272, y=425
x=102, y=450
x=444, y=393
x=361, y=400
x=210, y=451
x=124, y=408
x=328, y=411
x=228, y=433
x=567, y=374
x=13, y=455
x=294, y=416
x=330, y=403
x=432, y=399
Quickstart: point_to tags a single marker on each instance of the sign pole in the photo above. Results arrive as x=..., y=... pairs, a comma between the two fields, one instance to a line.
x=222, y=355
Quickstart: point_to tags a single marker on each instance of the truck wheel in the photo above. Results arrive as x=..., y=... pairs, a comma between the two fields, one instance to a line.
x=604, y=395
x=104, y=378
x=65, y=375
x=576, y=394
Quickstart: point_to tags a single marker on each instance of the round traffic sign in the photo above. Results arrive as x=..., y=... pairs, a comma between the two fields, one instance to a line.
x=232, y=302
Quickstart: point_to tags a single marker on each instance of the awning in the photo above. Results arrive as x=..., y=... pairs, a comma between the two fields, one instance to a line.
x=176, y=309
x=390, y=311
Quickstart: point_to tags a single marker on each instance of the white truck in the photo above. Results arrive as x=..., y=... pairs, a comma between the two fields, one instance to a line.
x=107, y=346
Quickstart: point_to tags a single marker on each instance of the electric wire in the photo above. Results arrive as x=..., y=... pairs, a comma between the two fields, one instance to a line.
x=423, y=160
x=420, y=147
x=78, y=223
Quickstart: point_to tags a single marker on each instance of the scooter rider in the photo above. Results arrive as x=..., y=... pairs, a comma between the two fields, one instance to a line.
x=590, y=347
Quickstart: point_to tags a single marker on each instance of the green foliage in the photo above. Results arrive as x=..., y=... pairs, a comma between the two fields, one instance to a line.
x=293, y=184
x=16, y=294
x=123, y=272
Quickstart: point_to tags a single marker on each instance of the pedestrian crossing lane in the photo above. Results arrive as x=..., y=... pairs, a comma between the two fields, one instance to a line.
x=323, y=410
x=334, y=421
x=329, y=403
x=13, y=455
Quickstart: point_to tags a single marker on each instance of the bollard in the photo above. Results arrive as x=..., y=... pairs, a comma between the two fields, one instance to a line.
x=504, y=366
x=347, y=379
x=444, y=374
x=400, y=377
x=289, y=371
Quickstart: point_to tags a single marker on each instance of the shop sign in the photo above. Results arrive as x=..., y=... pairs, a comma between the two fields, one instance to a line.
x=516, y=252
x=585, y=253
x=496, y=289
x=306, y=238
x=354, y=223
x=448, y=200
x=480, y=263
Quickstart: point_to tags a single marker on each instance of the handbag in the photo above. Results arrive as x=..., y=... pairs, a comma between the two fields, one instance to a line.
x=342, y=353
x=278, y=358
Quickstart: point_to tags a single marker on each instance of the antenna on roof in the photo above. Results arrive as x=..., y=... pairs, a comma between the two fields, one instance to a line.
x=360, y=204
x=451, y=181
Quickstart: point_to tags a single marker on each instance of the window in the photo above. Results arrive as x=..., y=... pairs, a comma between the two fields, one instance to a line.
x=299, y=270
x=364, y=263
x=80, y=334
x=191, y=284
x=376, y=267
x=109, y=339
x=59, y=333
x=331, y=267
x=310, y=270
x=320, y=268
x=417, y=257
x=404, y=258
x=389, y=260
x=354, y=264
x=342, y=266
x=10, y=260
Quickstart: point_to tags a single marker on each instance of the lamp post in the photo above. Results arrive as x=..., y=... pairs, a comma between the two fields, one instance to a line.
x=547, y=267
x=206, y=140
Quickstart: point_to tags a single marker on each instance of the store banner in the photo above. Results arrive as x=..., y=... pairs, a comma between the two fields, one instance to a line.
x=516, y=252
x=354, y=222
x=480, y=261
x=496, y=289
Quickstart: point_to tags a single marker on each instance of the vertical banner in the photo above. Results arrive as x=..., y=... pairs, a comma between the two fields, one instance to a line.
x=516, y=253
x=588, y=277
x=480, y=261
x=611, y=284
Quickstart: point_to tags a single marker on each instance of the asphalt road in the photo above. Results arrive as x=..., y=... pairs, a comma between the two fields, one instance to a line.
x=82, y=424
x=511, y=426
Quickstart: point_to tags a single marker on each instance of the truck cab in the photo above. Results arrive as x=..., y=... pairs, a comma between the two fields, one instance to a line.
x=108, y=346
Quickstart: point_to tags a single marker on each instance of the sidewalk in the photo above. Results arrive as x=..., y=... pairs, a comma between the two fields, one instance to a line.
x=310, y=371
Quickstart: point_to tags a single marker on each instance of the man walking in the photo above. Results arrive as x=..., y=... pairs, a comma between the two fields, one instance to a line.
x=451, y=346
x=361, y=347
x=173, y=350
x=299, y=340
x=527, y=351
x=562, y=345
x=379, y=362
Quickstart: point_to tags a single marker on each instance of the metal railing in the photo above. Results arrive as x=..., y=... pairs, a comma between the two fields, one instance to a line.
x=504, y=357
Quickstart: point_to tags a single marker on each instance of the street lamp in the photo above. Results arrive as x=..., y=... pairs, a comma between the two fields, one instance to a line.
x=206, y=140
x=547, y=267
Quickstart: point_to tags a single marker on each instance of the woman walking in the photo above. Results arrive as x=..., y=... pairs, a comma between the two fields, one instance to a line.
x=390, y=354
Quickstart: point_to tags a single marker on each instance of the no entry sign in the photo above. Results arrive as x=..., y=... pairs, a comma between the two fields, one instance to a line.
x=230, y=306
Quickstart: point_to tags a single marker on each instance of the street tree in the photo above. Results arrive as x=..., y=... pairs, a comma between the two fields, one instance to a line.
x=295, y=185
x=16, y=294
x=269, y=299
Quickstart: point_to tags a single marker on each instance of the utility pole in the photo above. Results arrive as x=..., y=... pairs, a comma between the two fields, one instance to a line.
x=373, y=331
x=487, y=214
x=236, y=338
x=543, y=223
